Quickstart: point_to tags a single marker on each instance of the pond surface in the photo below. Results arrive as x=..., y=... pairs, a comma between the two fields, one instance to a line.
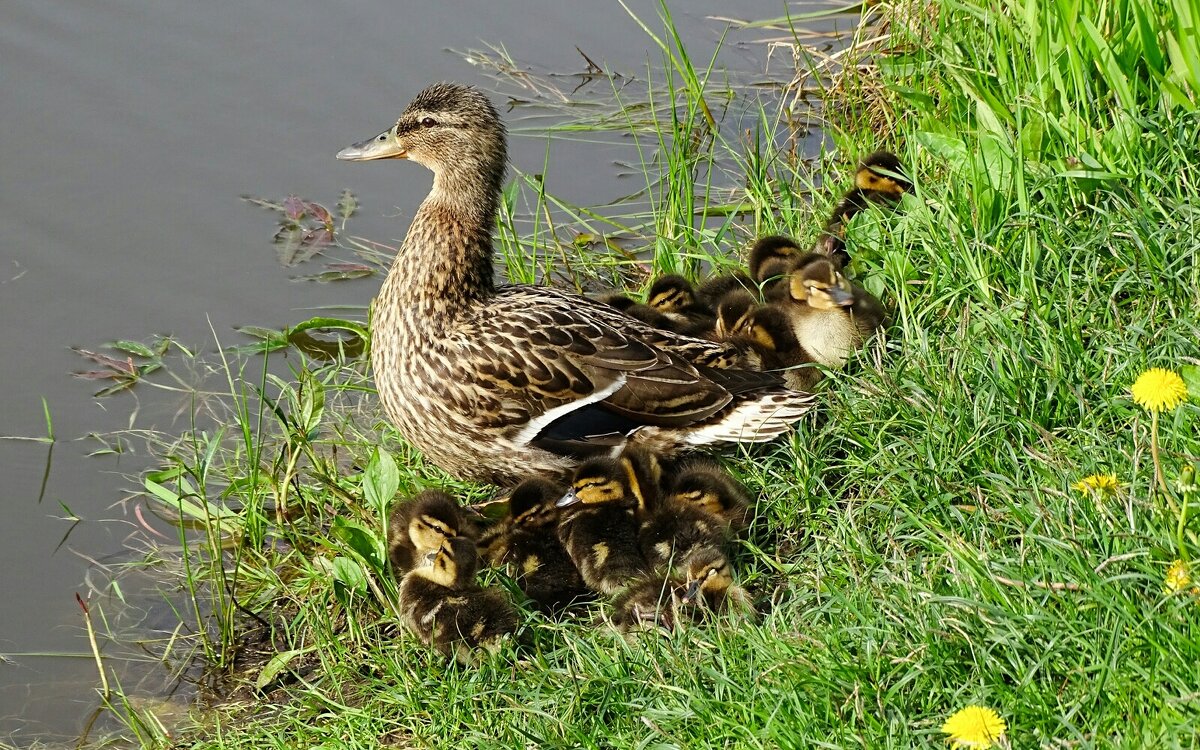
x=131, y=128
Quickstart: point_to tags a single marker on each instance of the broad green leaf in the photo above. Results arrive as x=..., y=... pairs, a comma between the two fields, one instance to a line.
x=380, y=481
x=275, y=665
x=359, y=540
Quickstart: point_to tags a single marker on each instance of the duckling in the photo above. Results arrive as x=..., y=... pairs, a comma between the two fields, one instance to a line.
x=540, y=564
x=673, y=296
x=713, y=290
x=599, y=529
x=419, y=525
x=711, y=588
x=830, y=316
x=647, y=603
x=441, y=603
x=671, y=530
x=771, y=257
x=880, y=179
x=706, y=484
x=643, y=312
x=765, y=333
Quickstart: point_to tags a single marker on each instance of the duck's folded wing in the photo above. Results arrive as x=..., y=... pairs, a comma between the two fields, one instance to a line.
x=552, y=366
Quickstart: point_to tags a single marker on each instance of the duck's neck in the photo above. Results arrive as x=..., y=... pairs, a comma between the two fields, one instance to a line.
x=445, y=264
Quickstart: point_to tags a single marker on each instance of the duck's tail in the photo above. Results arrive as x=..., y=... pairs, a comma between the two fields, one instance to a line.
x=751, y=418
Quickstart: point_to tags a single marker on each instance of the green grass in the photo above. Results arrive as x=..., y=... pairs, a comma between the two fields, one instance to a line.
x=921, y=546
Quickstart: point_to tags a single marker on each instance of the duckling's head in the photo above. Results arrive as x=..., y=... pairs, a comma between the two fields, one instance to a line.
x=708, y=574
x=632, y=479
x=733, y=312
x=770, y=256
x=712, y=491
x=447, y=125
x=671, y=293
x=818, y=282
x=532, y=503
x=882, y=172
x=435, y=517
x=453, y=564
x=769, y=328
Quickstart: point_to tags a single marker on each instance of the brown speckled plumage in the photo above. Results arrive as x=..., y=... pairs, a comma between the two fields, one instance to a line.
x=467, y=372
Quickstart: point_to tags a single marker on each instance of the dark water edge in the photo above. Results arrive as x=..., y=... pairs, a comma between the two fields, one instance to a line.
x=131, y=131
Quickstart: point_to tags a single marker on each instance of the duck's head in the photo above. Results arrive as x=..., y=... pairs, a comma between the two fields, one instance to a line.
x=818, y=282
x=453, y=564
x=532, y=503
x=435, y=518
x=630, y=479
x=771, y=256
x=708, y=575
x=882, y=172
x=733, y=311
x=708, y=491
x=447, y=125
x=671, y=293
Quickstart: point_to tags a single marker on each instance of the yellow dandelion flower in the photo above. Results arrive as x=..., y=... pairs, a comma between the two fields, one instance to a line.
x=1177, y=577
x=1157, y=390
x=974, y=726
x=1098, y=484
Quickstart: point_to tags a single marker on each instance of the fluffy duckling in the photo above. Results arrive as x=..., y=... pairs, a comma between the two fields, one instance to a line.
x=830, y=316
x=705, y=484
x=530, y=547
x=765, y=332
x=647, y=603
x=671, y=530
x=880, y=179
x=771, y=257
x=441, y=603
x=675, y=297
x=599, y=528
x=710, y=587
x=640, y=311
x=419, y=525
x=713, y=290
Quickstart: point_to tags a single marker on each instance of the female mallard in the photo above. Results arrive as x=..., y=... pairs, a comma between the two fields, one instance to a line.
x=493, y=384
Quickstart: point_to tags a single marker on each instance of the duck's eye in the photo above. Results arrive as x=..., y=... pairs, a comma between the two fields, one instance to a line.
x=428, y=122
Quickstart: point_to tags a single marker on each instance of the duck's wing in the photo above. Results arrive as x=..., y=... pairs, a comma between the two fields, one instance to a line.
x=562, y=369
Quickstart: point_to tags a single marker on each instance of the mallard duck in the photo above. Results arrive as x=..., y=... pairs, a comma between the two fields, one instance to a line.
x=675, y=297
x=531, y=549
x=711, y=588
x=419, y=525
x=599, y=526
x=441, y=603
x=831, y=316
x=494, y=383
x=879, y=179
x=707, y=485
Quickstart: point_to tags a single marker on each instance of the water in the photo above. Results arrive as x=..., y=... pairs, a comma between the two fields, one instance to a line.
x=130, y=128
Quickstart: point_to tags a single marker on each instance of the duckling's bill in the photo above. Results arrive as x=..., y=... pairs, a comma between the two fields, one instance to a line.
x=383, y=146
x=568, y=499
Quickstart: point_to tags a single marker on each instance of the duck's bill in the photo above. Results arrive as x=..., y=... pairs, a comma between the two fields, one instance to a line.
x=692, y=589
x=429, y=557
x=841, y=297
x=568, y=499
x=382, y=146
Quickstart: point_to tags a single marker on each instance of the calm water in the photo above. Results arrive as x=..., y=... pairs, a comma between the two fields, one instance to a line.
x=130, y=128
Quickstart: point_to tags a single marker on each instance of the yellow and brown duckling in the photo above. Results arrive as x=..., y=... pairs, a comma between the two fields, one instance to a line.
x=530, y=547
x=419, y=525
x=649, y=602
x=881, y=180
x=599, y=525
x=831, y=317
x=770, y=259
x=675, y=297
x=710, y=587
x=766, y=334
x=671, y=530
x=444, y=607
x=705, y=484
x=714, y=289
x=639, y=311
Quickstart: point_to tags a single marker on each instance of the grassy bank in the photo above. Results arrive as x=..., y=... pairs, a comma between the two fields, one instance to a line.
x=923, y=546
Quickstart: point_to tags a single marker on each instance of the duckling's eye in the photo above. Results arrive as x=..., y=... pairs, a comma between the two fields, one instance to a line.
x=428, y=122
